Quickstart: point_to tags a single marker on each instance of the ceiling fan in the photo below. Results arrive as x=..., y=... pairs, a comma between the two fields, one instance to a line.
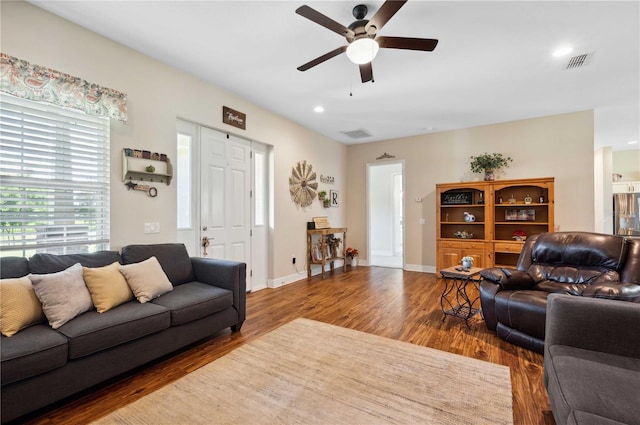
x=362, y=36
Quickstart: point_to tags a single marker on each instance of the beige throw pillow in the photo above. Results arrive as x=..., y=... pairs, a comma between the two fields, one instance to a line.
x=146, y=279
x=63, y=295
x=107, y=286
x=19, y=306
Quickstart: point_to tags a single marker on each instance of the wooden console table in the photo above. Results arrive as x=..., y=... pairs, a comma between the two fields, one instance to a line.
x=323, y=248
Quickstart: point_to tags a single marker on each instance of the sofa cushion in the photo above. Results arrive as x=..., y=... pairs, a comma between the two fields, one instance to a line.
x=19, y=306
x=13, y=267
x=107, y=286
x=572, y=275
x=194, y=300
x=589, y=250
x=52, y=263
x=63, y=295
x=32, y=351
x=146, y=279
x=578, y=417
x=524, y=311
x=599, y=383
x=92, y=331
x=173, y=258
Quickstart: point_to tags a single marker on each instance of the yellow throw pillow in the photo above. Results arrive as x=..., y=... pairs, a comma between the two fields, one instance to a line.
x=107, y=286
x=146, y=279
x=19, y=306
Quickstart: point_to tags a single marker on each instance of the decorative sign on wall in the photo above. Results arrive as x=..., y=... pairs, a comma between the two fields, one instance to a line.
x=234, y=118
x=334, y=196
x=456, y=198
x=327, y=179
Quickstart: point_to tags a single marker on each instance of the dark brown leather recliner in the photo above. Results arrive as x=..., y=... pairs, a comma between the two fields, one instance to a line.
x=514, y=301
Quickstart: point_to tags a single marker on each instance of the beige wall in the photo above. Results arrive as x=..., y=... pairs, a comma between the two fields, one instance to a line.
x=560, y=146
x=627, y=163
x=157, y=95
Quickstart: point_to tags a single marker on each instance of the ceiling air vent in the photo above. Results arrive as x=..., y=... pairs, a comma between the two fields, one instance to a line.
x=579, y=61
x=357, y=134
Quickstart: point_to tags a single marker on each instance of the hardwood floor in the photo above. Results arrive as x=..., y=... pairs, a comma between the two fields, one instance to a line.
x=388, y=302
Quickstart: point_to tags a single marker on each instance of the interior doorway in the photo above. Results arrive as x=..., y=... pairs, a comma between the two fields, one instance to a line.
x=385, y=204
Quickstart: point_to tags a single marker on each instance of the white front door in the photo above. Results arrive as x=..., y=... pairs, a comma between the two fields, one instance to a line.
x=225, y=184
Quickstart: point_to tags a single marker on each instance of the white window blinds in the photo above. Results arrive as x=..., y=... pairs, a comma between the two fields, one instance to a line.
x=54, y=179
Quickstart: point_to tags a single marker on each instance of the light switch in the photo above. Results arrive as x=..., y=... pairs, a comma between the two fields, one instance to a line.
x=152, y=227
x=422, y=221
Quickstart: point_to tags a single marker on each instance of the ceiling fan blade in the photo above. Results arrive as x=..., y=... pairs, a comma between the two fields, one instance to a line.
x=425, y=44
x=386, y=12
x=322, y=58
x=366, y=72
x=320, y=19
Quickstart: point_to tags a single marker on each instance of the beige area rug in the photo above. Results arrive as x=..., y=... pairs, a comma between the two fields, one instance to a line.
x=308, y=372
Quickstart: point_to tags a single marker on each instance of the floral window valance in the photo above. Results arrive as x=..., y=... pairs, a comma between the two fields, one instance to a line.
x=22, y=79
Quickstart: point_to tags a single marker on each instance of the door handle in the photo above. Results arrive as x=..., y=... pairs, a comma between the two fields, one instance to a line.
x=205, y=243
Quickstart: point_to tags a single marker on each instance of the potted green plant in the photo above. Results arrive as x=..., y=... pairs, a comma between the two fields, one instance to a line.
x=322, y=195
x=489, y=163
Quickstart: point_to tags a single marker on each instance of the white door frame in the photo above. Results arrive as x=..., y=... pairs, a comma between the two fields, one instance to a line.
x=191, y=236
x=368, y=204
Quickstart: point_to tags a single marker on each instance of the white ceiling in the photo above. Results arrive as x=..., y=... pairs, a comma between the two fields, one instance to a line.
x=493, y=62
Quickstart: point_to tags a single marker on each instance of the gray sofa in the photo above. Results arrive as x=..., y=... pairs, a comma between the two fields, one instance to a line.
x=592, y=360
x=41, y=365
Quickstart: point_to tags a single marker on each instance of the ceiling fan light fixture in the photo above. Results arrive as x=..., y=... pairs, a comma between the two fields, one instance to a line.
x=362, y=50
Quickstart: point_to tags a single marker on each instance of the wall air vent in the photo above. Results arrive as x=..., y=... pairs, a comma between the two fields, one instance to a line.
x=357, y=134
x=579, y=61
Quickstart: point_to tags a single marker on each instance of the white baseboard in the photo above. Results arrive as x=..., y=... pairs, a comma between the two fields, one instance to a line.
x=419, y=268
x=315, y=270
x=285, y=280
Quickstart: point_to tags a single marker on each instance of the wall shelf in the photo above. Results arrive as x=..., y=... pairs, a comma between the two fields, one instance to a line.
x=136, y=169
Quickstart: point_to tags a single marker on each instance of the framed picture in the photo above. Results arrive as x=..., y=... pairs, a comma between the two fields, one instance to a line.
x=321, y=222
x=334, y=197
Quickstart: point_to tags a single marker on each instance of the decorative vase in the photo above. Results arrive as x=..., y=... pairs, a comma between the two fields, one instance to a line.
x=354, y=261
x=489, y=175
x=466, y=264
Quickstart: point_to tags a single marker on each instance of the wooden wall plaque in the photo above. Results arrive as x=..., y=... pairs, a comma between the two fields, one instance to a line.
x=234, y=118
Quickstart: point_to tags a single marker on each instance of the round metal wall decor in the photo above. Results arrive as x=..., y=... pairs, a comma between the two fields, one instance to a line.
x=302, y=184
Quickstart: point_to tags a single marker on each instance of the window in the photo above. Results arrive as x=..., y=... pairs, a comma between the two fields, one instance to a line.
x=54, y=179
x=260, y=187
x=183, y=179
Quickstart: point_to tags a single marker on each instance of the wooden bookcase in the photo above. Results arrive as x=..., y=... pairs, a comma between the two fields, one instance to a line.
x=501, y=209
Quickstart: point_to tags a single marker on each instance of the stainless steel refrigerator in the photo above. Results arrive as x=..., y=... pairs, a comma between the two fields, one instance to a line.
x=626, y=214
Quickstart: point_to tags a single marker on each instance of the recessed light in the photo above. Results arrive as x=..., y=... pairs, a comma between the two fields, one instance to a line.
x=633, y=142
x=562, y=51
x=318, y=109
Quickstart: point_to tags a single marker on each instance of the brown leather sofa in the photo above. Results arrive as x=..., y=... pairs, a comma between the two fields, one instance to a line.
x=514, y=300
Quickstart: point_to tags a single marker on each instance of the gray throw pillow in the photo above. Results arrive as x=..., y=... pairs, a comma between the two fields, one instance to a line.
x=63, y=295
x=146, y=279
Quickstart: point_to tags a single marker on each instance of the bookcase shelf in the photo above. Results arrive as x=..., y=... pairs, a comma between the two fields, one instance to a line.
x=493, y=240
